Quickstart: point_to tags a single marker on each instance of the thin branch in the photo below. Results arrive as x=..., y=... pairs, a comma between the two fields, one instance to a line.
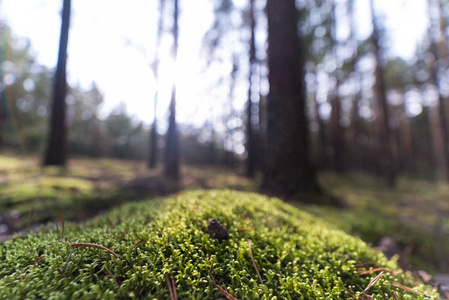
x=95, y=246
x=254, y=262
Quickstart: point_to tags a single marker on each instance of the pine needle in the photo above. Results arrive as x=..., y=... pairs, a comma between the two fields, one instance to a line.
x=170, y=291
x=254, y=262
x=373, y=282
x=95, y=246
x=408, y=289
x=224, y=292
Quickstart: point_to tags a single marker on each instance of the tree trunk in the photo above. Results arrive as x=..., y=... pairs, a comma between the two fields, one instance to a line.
x=152, y=159
x=57, y=144
x=289, y=170
x=172, y=149
x=250, y=138
x=386, y=161
x=441, y=105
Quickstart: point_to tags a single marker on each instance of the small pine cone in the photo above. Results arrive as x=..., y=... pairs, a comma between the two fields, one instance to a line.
x=215, y=229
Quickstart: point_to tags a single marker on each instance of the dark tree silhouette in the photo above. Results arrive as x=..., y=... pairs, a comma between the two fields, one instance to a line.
x=251, y=160
x=172, y=148
x=57, y=143
x=386, y=159
x=435, y=80
x=288, y=169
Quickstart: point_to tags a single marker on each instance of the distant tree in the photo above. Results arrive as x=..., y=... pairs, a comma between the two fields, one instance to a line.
x=251, y=160
x=152, y=159
x=56, y=149
x=288, y=169
x=386, y=158
x=172, y=144
x=435, y=79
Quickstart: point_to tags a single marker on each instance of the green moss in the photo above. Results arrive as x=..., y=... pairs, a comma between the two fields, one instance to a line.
x=298, y=256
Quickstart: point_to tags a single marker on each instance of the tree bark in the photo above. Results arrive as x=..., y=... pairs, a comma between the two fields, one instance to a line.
x=172, y=147
x=250, y=138
x=56, y=153
x=289, y=170
x=386, y=160
x=441, y=105
x=152, y=159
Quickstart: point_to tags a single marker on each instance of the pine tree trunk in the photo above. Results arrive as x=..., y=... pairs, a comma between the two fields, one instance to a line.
x=172, y=149
x=57, y=144
x=250, y=138
x=386, y=160
x=289, y=170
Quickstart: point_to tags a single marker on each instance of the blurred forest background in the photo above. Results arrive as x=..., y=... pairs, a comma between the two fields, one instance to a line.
x=294, y=93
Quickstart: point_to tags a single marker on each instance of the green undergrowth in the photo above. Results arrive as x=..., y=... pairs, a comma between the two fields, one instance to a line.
x=298, y=256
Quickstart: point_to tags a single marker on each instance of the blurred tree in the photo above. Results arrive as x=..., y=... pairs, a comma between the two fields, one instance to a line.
x=83, y=122
x=152, y=160
x=338, y=140
x=172, y=144
x=435, y=79
x=56, y=151
x=251, y=160
x=289, y=170
x=386, y=159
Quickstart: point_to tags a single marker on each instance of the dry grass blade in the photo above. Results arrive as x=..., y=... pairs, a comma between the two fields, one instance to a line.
x=170, y=291
x=373, y=282
x=403, y=287
x=224, y=292
x=254, y=262
x=95, y=246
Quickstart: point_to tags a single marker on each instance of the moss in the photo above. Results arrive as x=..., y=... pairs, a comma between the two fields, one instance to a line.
x=298, y=256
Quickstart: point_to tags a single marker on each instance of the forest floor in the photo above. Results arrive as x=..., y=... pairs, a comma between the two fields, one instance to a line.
x=412, y=219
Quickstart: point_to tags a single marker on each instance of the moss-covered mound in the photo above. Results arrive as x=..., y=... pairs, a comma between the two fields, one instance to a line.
x=163, y=247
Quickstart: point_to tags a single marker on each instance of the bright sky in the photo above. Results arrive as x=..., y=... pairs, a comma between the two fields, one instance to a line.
x=112, y=42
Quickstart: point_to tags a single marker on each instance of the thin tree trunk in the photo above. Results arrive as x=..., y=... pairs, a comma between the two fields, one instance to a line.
x=152, y=161
x=289, y=170
x=172, y=149
x=250, y=138
x=57, y=144
x=386, y=159
x=441, y=105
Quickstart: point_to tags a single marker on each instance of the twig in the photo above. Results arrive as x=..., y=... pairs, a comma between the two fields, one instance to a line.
x=254, y=262
x=95, y=246
x=224, y=292
x=409, y=289
x=373, y=282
